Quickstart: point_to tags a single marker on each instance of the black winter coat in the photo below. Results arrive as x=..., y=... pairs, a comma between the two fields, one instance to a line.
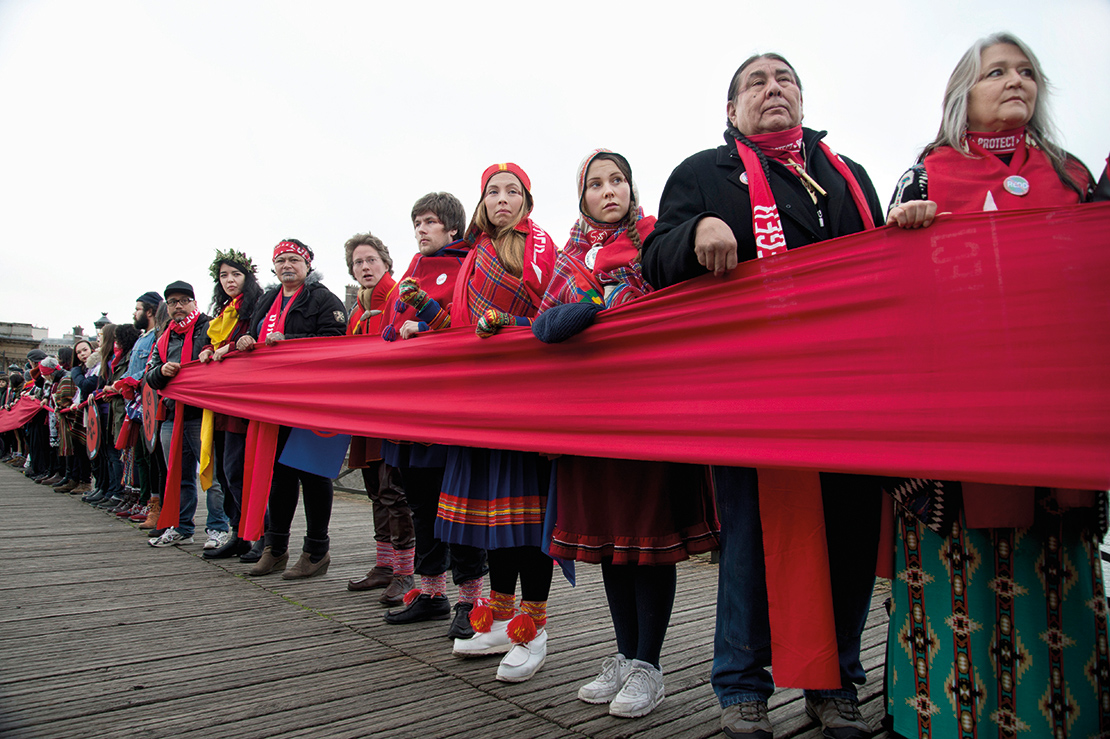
x=158, y=381
x=708, y=184
x=315, y=312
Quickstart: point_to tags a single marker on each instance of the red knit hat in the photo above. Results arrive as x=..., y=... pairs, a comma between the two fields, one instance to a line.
x=510, y=167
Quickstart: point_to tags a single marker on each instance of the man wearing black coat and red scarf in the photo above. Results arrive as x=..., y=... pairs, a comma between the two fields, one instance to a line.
x=772, y=186
x=182, y=341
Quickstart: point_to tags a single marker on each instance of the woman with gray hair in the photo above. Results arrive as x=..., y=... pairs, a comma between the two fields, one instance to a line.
x=998, y=615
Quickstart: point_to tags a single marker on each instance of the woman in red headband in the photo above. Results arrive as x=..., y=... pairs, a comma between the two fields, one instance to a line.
x=999, y=619
x=494, y=499
x=637, y=519
x=299, y=308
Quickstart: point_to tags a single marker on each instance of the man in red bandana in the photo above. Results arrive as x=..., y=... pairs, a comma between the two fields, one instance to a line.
x=182, y=341
x=774, y=186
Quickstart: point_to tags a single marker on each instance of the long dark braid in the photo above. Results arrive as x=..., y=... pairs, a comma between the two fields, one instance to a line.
x=735, y=133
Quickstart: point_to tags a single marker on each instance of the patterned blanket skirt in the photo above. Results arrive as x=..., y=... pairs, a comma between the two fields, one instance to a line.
x=493, y=498
x=999, y=632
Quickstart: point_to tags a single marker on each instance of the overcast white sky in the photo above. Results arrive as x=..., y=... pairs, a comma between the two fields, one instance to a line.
x=138, y=137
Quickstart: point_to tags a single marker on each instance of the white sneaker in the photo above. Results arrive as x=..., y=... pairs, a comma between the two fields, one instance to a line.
x=642, y=691
x=216, y=539
x=494, y=641
x=614, y=670
x=170, y=538
x=523, y=660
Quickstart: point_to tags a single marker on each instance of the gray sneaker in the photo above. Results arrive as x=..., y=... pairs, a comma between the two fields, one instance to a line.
x=614, y=671
x=747, y=721
x=641, y=693
x=839, y=717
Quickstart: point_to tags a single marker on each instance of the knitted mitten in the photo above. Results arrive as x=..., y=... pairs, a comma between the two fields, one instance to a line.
x=491, y=322
x=561, y=322
x=408, y=290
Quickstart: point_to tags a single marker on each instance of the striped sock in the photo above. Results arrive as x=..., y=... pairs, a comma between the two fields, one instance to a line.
x=537, y=609
x=385, y=554
x=433, y=584
x=402, y=561
x=502, y=605
x=471, y=590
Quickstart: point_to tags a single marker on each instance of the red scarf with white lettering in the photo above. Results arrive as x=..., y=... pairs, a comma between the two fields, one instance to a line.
x=791, y=508
x=274, y=322
x=959, y=183
x=179, y=327
x=171, y=496
x=539, y=264
x=766, y=224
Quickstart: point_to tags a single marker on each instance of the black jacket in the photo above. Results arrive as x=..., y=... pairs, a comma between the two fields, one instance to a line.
x=158, y=381
x=315, y=312
x=709, y=184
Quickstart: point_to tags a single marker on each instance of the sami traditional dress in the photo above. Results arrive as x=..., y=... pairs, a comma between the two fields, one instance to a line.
x=623, y=511
x=998, y=624
x=495, y=498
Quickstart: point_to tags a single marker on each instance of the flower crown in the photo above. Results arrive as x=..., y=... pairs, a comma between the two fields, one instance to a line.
x=231, y=256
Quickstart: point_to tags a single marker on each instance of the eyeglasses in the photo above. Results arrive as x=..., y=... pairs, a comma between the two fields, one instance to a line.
x=174, y=302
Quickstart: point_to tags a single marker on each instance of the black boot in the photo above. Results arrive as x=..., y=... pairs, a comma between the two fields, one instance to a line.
x=254, y=553
x=230, y=549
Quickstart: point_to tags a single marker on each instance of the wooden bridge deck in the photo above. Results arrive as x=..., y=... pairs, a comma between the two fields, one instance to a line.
x=101, y=635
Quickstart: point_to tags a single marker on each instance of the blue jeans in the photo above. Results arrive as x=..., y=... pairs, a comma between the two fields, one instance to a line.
x=190, y=458
x=742, y=643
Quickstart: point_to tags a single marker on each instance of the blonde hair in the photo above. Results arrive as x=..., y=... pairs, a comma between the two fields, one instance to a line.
x=508, y=243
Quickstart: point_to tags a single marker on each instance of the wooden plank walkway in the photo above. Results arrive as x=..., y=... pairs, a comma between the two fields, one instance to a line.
x=101, y=635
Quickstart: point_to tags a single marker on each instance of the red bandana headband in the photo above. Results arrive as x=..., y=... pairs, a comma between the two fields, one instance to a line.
x=510, y=167
x=289, y=247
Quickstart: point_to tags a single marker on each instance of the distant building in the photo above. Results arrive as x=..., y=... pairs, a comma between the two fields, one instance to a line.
x=350, y=298
x=16, y=339
x=51, y=346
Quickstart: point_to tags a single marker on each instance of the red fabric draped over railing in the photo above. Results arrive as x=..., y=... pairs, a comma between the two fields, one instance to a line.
x=22, y=411
x=977, y=350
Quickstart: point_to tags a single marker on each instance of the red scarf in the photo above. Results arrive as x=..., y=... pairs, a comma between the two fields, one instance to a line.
x=539, y=263
x=766, y=224
x=274, y=322
x=182, y=327
x=782, y=146
x=791, y=509
x=967, y=184
x=1000, y=142
x=171, y=496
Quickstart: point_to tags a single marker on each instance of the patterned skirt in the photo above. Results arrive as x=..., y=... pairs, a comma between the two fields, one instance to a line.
x=639, y=513
x=493, y=498
x=999, y=632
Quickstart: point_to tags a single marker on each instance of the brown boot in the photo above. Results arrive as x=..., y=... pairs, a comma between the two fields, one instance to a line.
x=378, y=577
x=151, y=521
x=305, y=567
x=269, y=563
x=394, y=595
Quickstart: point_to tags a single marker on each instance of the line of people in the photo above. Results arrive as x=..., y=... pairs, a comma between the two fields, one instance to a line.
x=997, y=622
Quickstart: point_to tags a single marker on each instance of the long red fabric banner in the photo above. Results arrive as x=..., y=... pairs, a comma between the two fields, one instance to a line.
x=22, y=411
x=974, y=350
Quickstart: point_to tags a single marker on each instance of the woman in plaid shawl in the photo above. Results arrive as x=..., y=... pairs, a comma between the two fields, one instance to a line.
x=494, y=499
x=637, y=519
